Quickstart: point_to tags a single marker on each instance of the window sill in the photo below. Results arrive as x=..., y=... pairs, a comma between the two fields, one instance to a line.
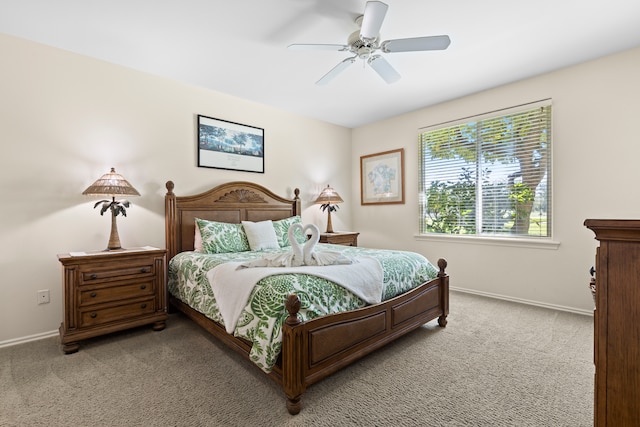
x=494, y=241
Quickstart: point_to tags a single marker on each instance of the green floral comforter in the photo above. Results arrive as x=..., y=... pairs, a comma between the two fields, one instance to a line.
x=261, y=320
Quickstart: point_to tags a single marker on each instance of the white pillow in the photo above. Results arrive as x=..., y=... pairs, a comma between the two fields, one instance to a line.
x=261, y=235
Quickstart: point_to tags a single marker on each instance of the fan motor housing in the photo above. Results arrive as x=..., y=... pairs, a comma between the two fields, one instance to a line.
x=361, y=47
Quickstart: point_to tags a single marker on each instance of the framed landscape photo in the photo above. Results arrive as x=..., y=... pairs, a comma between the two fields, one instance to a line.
x=229, y=145
x=382, y=178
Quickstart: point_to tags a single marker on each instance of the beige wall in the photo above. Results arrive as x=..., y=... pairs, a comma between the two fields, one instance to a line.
x=595, y=172
x=66, y=119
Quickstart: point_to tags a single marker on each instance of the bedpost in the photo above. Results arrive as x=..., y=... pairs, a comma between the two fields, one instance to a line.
x=444, y=292
x=296, y=199
x=170, y=233
x=170, y=221
x=293, y=356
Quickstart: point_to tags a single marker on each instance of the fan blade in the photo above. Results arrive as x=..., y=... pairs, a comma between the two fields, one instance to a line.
x=416, y=44
x=335, y=71
x=333, y=47
x=374, y=13
x=384, y=69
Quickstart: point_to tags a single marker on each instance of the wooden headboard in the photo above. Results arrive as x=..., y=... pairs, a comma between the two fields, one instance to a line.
x=231, y=202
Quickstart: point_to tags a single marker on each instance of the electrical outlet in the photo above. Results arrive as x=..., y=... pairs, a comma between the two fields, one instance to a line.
x=43, y=296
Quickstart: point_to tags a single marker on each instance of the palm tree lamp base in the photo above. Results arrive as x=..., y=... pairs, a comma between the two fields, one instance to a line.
x=329, y=225
x=114, y=239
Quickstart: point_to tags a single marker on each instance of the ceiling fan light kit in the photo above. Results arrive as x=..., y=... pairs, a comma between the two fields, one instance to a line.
x=364, y=44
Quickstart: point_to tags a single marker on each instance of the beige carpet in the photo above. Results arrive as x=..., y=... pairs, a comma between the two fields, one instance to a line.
x=495, y=364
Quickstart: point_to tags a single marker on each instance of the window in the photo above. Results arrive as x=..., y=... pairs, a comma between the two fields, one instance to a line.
x=488, y=176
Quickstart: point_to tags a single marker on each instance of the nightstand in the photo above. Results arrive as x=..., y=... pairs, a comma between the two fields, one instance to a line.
x=110, y=291
x=347, y=238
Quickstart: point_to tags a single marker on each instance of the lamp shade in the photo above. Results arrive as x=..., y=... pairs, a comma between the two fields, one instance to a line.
x=112, y=184
x=329, y=196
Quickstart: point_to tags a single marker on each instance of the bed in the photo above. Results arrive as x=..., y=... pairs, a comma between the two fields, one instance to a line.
x=310, y=347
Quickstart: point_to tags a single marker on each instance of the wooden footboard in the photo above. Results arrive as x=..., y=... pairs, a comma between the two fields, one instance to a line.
x=317, y=348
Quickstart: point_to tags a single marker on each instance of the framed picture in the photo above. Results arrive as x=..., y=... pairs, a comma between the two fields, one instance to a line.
x=229, y=145
x=382, y=178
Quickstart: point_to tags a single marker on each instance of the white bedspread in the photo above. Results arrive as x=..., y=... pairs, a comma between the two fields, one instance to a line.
x=232, y=284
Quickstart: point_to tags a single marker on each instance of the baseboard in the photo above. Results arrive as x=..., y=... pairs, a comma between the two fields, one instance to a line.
x=524, y=301
x=22, y=340
x=50, y=334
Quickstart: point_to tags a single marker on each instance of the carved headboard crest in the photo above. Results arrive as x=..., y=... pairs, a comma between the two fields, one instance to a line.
x=241, y=196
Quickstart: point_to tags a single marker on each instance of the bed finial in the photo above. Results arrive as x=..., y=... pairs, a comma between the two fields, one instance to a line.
x=297, y=193
x=442, y=264
x=170, y=187
x=292, y=304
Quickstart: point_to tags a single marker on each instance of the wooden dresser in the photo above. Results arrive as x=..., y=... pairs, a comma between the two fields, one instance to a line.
x=617, y=322
x=110, y=291
x=347, y=238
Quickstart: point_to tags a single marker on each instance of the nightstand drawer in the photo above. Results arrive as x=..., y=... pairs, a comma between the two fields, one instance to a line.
x=345, y=238
x=93, y=276
x=113, y=314
x=98, y=295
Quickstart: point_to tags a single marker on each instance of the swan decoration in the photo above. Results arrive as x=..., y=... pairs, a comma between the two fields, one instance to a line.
x=301, y=254
x=311, y=257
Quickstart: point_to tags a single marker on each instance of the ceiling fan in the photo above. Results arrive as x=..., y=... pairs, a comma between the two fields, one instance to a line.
x=365, y=44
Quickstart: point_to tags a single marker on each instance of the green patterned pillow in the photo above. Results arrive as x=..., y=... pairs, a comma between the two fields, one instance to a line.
x=222, y=237
x=282, y=230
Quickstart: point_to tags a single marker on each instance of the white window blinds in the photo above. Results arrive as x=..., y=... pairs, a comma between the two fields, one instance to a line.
x=489, y=175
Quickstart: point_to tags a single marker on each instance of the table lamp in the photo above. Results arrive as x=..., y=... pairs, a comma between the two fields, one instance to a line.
x=328, y=200
x=112, y=184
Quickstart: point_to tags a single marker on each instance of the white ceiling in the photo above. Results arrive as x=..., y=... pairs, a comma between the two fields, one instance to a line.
x=239, y=47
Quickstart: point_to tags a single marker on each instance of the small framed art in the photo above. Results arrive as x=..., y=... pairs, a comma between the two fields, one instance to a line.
x=382, y=178
x=229, y=145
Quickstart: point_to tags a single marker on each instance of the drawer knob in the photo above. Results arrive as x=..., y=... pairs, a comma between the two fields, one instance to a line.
x=143, y=286
x=94, y=276
x=145, y=270
x=93, y=294
x=144, y=305
x=94, y=315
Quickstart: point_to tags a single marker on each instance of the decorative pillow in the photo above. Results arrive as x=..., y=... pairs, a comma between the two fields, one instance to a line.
x=282, y=230
x=222, y=237
x=261, y=235
x=197, y=240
